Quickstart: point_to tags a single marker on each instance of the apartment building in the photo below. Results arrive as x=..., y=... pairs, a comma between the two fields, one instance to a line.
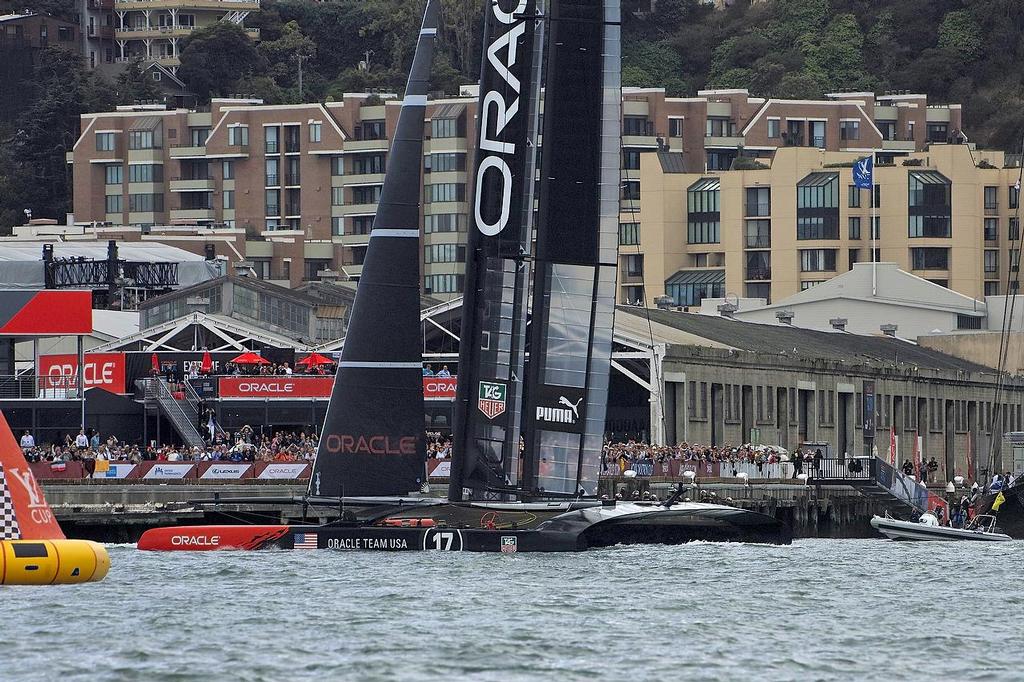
x=235, y=170
x=948, y=215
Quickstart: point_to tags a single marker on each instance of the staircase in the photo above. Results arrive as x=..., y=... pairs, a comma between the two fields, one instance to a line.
x=877, y=480
x=183, y=414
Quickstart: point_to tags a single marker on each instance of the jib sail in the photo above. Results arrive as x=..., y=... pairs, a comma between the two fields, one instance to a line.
x=494, y=309
x=576, y=251
x=373, y=442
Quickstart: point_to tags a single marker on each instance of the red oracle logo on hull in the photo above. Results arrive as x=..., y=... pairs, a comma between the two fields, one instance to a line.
x=370, y=445
x=195, y=540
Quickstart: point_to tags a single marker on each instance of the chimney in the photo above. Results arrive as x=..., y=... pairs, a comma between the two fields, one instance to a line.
x=784, y=316
x=727, y=309
x=838, y=323
x=210, y=251
x=889, y=329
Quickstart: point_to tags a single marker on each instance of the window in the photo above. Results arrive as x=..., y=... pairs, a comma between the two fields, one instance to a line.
x=273, y=202
x=675, y=127
x=629, y=234
x=442, y=284
x=929, y=259
x=991, y=261
x=853, y=196
x=446, y=191
x=938, y=132
x=229, y=199
x=991, y=288
x=371, y=130
x=692, y=293
x=312, y=266
x=367, y=164
x=817, y=260
x=444, y=127
x=929, y=205
x=991, y=198
x=1014, y=233
x=105, y=142
x=758, y=234
x=637, y=125
x=272, y=139
x=114, y=203
x=854, y=227
x=115, y=174
x=291, y=138
x=849, y=130
x=634, y=265
x=228, y=170
x=758, y=202
x=774, y=128
x=197, y=136
x=854, y=257
x=991, y=229
x=444, y=222
x=876, y=227
x=273, y=167
x=759, y=265
x=366, y=195
x=444, y=253
x=440, y=163
x=719, y=126
x=362, y=224
x=142, y=139
x=703, y=211
x=337, y=226
x=315, y=130
x=145, y=172
x=817, y=204
x=631, y=159
x=337, y=196
x=1014, y=260
x=146, y=203
x=238, y=136
x=1014, y=196
x=631, y=190
x=337, y=166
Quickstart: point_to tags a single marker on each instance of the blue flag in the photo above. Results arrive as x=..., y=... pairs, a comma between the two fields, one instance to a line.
x=863, y=173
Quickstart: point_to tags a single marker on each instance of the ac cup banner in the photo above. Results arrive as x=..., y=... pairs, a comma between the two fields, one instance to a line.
x=864, y=173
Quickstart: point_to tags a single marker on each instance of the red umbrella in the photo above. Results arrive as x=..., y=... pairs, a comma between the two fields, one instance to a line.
x=206, y=366
x=156, y=364
x=250, y=358
x=315, y=360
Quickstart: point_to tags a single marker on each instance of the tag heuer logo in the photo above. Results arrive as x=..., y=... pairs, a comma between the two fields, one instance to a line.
x=492, y=398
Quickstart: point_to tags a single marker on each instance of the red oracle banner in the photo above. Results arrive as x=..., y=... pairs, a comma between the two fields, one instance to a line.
x=439, y=388
x=105, y=370
x=276, y=387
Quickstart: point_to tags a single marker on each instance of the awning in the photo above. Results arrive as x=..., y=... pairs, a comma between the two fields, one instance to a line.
x=697, y=277
x=705, y=185
x=448, y=111
x=930, y=177
x=672, y=162
x=817, y=179
x=145, y=123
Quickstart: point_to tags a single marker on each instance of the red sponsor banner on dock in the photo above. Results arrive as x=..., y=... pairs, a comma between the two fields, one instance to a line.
x=439, y=388
x=276, y=387
x=105, y=370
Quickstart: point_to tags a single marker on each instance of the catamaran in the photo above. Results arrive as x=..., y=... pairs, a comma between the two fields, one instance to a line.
x=529, y=425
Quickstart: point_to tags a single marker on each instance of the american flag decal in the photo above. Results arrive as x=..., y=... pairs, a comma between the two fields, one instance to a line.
x=509, y=544
x=305, y=541
x=9, y=529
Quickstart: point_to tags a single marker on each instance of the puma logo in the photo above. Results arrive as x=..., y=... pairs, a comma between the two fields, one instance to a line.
x=562, y=400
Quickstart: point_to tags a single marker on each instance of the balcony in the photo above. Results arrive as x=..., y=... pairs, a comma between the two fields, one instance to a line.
x=96, y=5
x=759, y=274
x=758, y=241
x=898, y=145
x=356, y=180
x=367, y=145
x=142, y=32
x=729, y=141
x=191, y=214
x=221, y=5
x=992, y=209
x=291, y=180
x=758, y=209
x=188, y=151
x=273, y=181
x=192, y=185
x=292, y=211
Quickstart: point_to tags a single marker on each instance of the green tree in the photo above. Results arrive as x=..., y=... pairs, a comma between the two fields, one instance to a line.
x=961, y=35
x=282, y=56
x=134, y=84
x=215, y=58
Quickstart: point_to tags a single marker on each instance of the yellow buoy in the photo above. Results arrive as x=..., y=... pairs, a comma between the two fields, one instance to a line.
x=52, y=562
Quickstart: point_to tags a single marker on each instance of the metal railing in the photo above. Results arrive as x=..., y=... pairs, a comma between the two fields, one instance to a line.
x=758, y=209
x=846, y=469
x=759, y=274
x=760, y=241
x=57, y=386
x=155, y=388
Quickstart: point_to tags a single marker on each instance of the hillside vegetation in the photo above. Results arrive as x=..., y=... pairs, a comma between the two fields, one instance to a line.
x=967, y=51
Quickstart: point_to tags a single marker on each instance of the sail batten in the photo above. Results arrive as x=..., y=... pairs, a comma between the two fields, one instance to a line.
x=373, y=441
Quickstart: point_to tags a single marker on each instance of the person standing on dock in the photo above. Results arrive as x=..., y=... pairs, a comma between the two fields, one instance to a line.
x=798, y=462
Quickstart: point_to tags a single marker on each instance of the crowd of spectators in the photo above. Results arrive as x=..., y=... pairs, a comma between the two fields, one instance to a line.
x=625, y=453
x=439, y=446
x=245, y=445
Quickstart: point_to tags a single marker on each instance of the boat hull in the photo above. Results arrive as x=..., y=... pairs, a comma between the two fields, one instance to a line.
x=566, y=531
x=909, y=530
x=1011, y=511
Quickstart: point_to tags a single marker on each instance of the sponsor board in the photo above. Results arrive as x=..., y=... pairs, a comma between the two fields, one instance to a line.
x=103, y=370
x=491, y=398
x=643, y=467
x=509, y=544
x=559, y=408
x=117, y=470
x=230, y=470
x=283, y=470
x=440, y=468
x=439, y=388
x=276, y=387
x=168, y=470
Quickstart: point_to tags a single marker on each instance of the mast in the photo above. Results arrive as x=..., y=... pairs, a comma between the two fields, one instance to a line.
x=494, y=308
x=373, y=441
x=576, y=250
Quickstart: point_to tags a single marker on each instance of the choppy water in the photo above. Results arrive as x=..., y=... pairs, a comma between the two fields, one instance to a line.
x=820, y=609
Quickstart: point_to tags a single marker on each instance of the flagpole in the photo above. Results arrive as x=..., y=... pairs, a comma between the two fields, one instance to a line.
x=874, y=250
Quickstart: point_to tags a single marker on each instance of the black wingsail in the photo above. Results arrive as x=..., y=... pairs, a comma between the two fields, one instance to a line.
x=373, y=440
x=576, y=250
x=494, y=308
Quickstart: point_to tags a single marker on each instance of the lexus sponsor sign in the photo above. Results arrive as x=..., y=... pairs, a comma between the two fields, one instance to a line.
x=105, y=370
x=225, y=470
x=559, y=408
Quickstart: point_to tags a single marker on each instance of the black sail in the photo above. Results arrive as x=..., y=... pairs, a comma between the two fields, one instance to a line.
x=494, y=309
x=576, y=250
x=373, y=440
